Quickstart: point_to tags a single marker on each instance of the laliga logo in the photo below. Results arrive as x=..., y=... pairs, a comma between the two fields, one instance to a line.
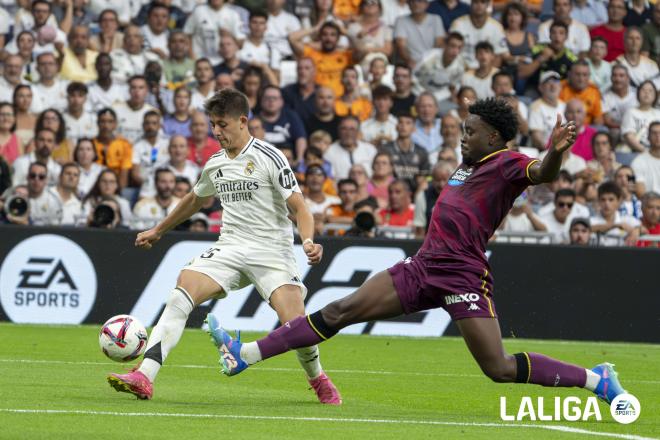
x=570, y=410
x=625, y=408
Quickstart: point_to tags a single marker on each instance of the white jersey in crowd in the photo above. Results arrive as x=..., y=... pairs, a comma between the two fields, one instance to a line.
x=50, y=97
x=637, y=122
x=543, y=116
x=84, y=126
x=492, y=31
x=643, y=70
x=647, y=169
x=148, y=212
x=129, y=121
x=46, y=209
x=616, y=106
x=615, y=236
x=578, y=40
x=253, y=188
x=98, y=98
x=205, y=24
x=483, y=86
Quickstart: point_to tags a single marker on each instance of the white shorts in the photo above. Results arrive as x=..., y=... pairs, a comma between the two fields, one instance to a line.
x=234, y=265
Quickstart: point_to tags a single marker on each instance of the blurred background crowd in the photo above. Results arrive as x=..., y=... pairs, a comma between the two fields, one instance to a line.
x=102, y=123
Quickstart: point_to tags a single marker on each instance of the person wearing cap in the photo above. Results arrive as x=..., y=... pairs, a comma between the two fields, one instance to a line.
x=580, y=231
x=543, y=111
x=199, y=222
x=552, y=56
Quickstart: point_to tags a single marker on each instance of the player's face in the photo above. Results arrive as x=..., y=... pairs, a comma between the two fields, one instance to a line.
x=227, y=129
x=580, y=234
x=477, y=141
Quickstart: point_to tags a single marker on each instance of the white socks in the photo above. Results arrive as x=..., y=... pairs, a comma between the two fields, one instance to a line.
x=592, y=380
x=250, y=352
x=309, y=360
x=167, y=332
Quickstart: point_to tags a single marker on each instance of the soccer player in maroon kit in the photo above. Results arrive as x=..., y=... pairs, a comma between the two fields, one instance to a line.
x=450, y=270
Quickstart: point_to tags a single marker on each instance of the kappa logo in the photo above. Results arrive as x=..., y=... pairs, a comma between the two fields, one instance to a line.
x=460, y=176
x=473, y=307
x=461, y=298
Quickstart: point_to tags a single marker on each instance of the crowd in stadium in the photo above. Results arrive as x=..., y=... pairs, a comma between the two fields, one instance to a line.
x=102, y=121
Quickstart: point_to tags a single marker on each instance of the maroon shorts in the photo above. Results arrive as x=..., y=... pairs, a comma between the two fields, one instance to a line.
x=463, y=291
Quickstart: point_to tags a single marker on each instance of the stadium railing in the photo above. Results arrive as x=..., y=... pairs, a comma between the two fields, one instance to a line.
x=524, y=237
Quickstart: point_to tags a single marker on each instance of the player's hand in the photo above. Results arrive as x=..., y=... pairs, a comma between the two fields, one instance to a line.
x=146, y=239
x=314, y=252
x=563, y=136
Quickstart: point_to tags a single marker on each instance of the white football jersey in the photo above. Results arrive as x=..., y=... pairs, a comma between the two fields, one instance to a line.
x=253, y=188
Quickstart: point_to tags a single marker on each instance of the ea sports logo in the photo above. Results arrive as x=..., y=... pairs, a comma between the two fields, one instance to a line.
x=47, y=279
x=625, y=408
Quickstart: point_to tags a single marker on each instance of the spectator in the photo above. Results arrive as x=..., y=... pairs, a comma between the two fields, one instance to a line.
x=448, y=10
x=450, y=129
x=66, y=191
x=427, y=126
x=257, y=52
x=317, y=200
x=25, y=119
x=324, y=118
x=122, y=9
x=358, y=173
x=604, y=164
x=330, y=61
x=351, y=103
x=577, y=86
x=651, y=33
x=10, y=146
x=638, y=13
x=256, y=128
x=179, y=122
x=77, y=61
x=53, y=120
x=370, y=33
x=650, y=218
x=45, y=206
x=575, y=111
x=44, y=144
x=549, y=57
x=382, y=176
x=112, y=150
x=231, y=64
x=104, y=92
x=131, y=59
x=50, y=91
x=417, y=33
x=200, y=145
x=158, y=95
x=199, y=222
x=130, y=114
x=280, y=25
x=558, y=220
x=521, y=218
x=404, y=99
x=155, y=32
x=282, y=126
x=348, y=150
x=410, y=160
x=578, y=40
x=11, y=77
x=205, y=84
x=182, y=186
x=543, y=112
x=425, y=200
x=301, y=95
x=149, y=152
x=179, y=67
x=630, y=204
x=381, y=127
x=85, y=156
x=580, y=231
x=178, y=162
x=636, y=121
x=608, y=223
x=613, y=30
x=314, y=156
x=640, y=68
x=647, y=164
x=25, y=45
x=441, y=71
x=207, y=24
x=481, y=78
x=343, y=212
x=109, y=38
x=364, y=223
x=399, y=210
x=480, y=26
x=150, y=210
x=78, y=122
x=502, y=87
x=252, y=84
x=588, y=12
x=107, y=188
x=519, y=40
x=620, y=98
x=466, y=96
x=601, y=70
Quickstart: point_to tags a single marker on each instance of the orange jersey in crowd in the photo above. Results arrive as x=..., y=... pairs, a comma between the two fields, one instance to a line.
x=360, y=108
x=118, y=155
x=329, y=66
x=590, y=96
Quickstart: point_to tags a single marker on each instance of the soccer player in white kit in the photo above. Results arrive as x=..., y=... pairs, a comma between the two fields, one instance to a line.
x=257, y=189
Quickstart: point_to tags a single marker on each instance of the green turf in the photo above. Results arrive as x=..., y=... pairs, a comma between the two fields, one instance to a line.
x=69, y=375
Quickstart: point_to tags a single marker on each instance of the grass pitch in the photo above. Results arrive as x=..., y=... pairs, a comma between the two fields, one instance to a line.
x=52, y=386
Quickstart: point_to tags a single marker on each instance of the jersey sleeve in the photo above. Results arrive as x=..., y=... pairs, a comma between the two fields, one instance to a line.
x=282, y=177
x=515, y=168
x=204, y=186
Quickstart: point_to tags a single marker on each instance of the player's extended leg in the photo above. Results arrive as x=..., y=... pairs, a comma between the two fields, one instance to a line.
x=484, y=340
x=375, y=299
x=193, y=288
x=288, y=303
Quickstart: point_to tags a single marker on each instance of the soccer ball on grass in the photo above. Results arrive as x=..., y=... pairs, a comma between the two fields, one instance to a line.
x=123, y=338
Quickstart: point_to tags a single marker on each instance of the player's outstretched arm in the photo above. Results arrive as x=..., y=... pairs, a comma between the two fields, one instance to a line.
x=188, y=205
x=561, y=139
x=305, y=222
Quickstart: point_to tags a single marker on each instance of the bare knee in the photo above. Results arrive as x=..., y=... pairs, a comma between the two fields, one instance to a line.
x=500, y=370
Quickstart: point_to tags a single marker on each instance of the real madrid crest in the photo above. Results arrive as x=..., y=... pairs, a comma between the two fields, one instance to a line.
x=249, y=168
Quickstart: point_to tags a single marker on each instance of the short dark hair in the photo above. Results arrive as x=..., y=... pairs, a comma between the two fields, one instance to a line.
x=151, y=113
x=609, y=187
x=455, y=36
x=349, y=117
x=565, y=192
x=559, y=23
x=330, y=24
x=69, y=165
x=399, y=181
x=347, y=181
x=484, y=45
x=38, y=164
x=403, y=66
x=381, y=91
x=513, y=6
x=498, y=114
x=155, y=5
x=80, y=141
x=106, y=110
x=652, y=125
x=43, y=2
x=601, y=39
x=134, y=77
x=160, y=171
x=602, y=133
x=109, y=11
x=182, y=179
x=227, y=102
x=502, y=73
x=312, y=150
x=258, y=13
x=76, y=87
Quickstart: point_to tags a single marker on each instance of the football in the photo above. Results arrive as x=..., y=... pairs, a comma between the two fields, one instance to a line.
x=123, y=338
